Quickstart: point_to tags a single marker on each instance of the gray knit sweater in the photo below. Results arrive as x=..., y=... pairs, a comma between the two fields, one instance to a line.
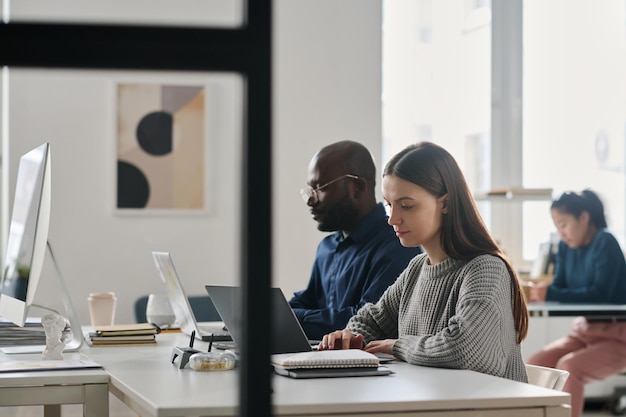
x=456, y=314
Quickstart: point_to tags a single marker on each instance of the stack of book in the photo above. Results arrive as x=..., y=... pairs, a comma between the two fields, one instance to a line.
x=123, y=334
x=32, y=333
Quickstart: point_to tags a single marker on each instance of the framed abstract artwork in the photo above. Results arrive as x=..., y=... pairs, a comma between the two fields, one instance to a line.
x=161, y=147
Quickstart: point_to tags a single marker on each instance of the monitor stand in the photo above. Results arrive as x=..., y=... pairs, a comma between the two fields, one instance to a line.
x=76, y=340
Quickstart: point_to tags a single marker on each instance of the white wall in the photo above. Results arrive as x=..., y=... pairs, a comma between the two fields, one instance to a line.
x=326, y=88
x=327, y=83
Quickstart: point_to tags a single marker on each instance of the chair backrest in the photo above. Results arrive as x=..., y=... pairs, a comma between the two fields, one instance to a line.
x=201, y=305
x=546, y=377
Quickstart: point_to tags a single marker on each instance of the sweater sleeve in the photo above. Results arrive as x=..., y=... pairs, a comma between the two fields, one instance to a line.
x=377, y=272
x=479, y=333
x=380, y=320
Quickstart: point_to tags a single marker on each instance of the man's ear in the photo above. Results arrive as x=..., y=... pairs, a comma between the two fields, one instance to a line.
x=359, y=186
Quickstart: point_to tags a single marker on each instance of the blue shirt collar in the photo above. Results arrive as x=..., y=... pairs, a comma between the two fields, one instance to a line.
x=367, y=226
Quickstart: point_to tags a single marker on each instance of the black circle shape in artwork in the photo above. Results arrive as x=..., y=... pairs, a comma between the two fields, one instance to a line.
x=133, y=189
x=154, y=133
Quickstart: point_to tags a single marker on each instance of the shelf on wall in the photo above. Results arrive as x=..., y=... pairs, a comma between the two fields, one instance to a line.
x=515, y=194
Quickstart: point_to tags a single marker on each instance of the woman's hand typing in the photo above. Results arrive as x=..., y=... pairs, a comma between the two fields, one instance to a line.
x=341, y=339
x=380, y=346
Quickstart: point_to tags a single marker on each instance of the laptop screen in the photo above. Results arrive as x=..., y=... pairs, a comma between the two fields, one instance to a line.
x=174, y=290
x=287, y=334
x=180, y=302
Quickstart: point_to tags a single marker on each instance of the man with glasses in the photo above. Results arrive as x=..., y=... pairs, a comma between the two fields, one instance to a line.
x=357, y=263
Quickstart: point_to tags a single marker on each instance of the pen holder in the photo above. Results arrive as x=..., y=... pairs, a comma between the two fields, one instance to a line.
x=184, y=353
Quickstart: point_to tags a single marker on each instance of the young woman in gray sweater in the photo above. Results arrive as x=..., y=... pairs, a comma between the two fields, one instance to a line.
x=459, y=305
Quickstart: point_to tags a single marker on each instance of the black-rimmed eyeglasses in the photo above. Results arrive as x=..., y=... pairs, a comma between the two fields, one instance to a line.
x=309, y=192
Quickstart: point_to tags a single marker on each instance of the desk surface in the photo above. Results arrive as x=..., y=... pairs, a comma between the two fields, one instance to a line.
x=144, y=378
x=551, y=308
x=55, y=388
x=63, y=376
x=555, y=306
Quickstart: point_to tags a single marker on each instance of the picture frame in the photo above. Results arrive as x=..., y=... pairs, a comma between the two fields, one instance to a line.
x=162, y=142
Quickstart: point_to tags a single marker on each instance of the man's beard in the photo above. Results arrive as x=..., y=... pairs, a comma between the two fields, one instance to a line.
x=339, y=217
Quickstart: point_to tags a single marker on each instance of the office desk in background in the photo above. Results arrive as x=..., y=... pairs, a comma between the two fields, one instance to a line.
x=144, y=379
x=52, y=389
x=551, y=320
x=555, y=309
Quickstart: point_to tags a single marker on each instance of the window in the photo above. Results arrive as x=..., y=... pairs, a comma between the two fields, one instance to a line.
x=558, y=72
x=575, y=100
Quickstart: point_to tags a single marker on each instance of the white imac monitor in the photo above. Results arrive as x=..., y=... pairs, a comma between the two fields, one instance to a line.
x=28, y=235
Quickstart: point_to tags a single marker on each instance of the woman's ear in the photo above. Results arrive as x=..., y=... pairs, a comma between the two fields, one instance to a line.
x=444, y=203
x=585, y=218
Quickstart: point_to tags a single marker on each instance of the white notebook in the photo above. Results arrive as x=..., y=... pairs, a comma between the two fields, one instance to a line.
x=349, y=358
x=332, y=372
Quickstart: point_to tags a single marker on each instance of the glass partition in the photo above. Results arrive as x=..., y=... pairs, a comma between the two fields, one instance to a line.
x=108, y=149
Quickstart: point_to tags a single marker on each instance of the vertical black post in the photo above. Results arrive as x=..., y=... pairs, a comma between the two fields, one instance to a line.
x=245, y=50
x=256, y=236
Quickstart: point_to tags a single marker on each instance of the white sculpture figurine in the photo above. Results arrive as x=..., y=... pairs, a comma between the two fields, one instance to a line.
x=53, y=324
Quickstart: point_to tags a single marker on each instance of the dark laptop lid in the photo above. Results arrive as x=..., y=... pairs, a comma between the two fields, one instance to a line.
x=287, y=336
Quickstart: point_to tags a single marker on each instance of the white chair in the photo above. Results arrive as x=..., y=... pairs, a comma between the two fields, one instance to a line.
x=546, y=377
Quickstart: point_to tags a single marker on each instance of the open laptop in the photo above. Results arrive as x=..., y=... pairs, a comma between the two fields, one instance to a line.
x=180, y=302
x=288, y=336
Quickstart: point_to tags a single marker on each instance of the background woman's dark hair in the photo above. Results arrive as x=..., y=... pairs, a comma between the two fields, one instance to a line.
x=463, y=232
x=575, y=203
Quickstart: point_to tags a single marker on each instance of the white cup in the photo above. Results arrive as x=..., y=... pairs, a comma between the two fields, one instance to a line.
x=102, y=308
x=159, y=310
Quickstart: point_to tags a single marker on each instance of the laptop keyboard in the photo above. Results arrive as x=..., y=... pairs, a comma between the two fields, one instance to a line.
x=224, y=345
x=231, y=345
x=217, y=332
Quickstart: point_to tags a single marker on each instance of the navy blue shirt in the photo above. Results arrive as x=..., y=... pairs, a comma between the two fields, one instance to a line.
x=349, y=272
x=595, y=273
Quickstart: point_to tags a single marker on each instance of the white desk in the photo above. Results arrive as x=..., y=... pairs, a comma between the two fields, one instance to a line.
x=569, y=309
x=144, y=378
x=551, y=320
x=54, y=388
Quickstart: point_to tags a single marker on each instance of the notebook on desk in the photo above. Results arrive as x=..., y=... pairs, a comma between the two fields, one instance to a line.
x=287, y=336
x=328, y=364
x=180, y=302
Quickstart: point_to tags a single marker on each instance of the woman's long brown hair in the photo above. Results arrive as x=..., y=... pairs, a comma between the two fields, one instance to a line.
x=463, y=232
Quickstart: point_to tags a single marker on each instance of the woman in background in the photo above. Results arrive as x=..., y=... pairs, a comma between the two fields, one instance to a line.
x=589, y=268
x=459, y=305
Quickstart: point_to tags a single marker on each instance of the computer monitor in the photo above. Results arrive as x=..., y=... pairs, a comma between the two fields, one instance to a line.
x=27, y=246
x=28, y=235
